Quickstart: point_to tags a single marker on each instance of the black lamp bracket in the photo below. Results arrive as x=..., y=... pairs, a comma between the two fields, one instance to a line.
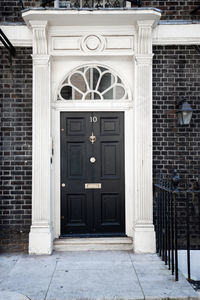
x=5, y=41
x=180, y=102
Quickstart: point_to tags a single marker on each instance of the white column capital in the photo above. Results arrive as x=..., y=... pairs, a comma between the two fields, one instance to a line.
x=144, y=37
x=145, y=23
x=39, y=30
x=41, y=59
x=144, y=59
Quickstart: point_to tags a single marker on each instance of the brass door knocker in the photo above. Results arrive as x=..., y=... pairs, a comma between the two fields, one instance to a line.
x=92, y=138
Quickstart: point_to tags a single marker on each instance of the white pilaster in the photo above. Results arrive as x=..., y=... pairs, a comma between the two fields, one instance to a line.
x=144, y=235
x=40, y=237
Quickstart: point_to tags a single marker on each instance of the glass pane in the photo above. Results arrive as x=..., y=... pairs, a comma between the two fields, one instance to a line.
x=88, y=75
x=119, y=92
x=66, y=92
x=78, y=81
x=106, y=81
x=108, y=95
x=77, y=95
x=88, y=96
x=92, y=96
x=96, y=76
x=102, y=69
x=96, y=96
x=92, y=76
x=119, y=80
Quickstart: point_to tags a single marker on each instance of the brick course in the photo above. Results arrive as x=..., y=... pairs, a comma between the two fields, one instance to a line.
x=16, y=146
x=10, y=11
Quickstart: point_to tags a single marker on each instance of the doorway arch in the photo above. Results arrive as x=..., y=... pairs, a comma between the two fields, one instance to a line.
x=68, y=102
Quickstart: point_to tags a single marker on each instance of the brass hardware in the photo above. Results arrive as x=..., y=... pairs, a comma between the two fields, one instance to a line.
x=92, y=160
x=63, y=184
x=92, y=138
x=92, y=185
x=62, y=129
x=62, y=217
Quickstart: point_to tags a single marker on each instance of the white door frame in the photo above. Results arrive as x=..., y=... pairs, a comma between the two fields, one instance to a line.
x=127, y=108
x=67, y=41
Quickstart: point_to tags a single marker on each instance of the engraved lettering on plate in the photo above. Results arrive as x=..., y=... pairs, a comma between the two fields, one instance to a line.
x=92, y=185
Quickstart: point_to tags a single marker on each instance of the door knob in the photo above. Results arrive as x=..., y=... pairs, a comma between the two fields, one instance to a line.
x=92, y=159
x=63, y=184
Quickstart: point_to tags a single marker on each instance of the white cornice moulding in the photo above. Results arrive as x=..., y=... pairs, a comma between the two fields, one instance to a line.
x=19, y=35
x=91, y=17
x=187, y=34
x=184, y=34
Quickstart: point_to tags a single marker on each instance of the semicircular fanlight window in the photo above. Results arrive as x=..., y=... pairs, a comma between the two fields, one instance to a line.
x=92, y=83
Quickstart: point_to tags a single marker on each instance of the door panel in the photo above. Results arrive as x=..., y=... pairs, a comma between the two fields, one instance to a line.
x=92, y=211
x=76, y=209
x=75, y=160
x=109, y=160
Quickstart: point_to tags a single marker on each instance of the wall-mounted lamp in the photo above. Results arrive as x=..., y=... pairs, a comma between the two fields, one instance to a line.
x=184, y=112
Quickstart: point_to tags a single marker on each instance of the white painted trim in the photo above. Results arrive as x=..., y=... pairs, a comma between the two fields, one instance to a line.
x=184, y=34
x=127, y=108
x=114, y=17
x=19, y=36
x=163, y=34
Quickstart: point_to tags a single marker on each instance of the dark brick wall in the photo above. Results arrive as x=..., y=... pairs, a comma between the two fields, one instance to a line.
x=15, y=154
x=10, y=10
x=176, y=10
x=176, y=73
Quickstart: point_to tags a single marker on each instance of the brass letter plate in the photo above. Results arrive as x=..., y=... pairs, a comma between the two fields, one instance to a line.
x=92, y=185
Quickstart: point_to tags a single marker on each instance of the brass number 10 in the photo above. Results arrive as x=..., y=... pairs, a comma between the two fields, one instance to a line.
x=93, y=119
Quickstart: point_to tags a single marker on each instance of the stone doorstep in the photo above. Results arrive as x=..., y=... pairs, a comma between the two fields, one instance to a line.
x=95, y=244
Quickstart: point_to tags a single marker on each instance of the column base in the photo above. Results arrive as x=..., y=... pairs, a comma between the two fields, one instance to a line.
x=40, y=240
x=144, y=239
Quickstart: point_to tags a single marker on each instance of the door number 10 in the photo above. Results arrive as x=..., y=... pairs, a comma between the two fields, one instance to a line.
x=93, y=119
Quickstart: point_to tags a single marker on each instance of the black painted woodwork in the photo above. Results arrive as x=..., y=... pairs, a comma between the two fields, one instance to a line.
x=92, y=211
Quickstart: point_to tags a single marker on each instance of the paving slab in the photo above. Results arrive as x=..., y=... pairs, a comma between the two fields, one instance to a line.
x=91, y=275
x=156, y=280
x=114, y=283
x=30, y=276
x=12, y=296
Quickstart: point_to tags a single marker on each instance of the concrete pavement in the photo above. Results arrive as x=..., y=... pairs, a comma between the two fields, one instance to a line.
x=89, y=275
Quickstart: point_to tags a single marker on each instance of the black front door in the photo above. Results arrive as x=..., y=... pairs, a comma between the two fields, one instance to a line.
x=92, y=173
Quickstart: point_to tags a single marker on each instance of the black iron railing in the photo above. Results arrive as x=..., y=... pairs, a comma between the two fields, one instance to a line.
x=167, y=197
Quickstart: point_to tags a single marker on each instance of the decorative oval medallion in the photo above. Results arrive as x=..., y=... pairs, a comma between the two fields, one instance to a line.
x=92, y=42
